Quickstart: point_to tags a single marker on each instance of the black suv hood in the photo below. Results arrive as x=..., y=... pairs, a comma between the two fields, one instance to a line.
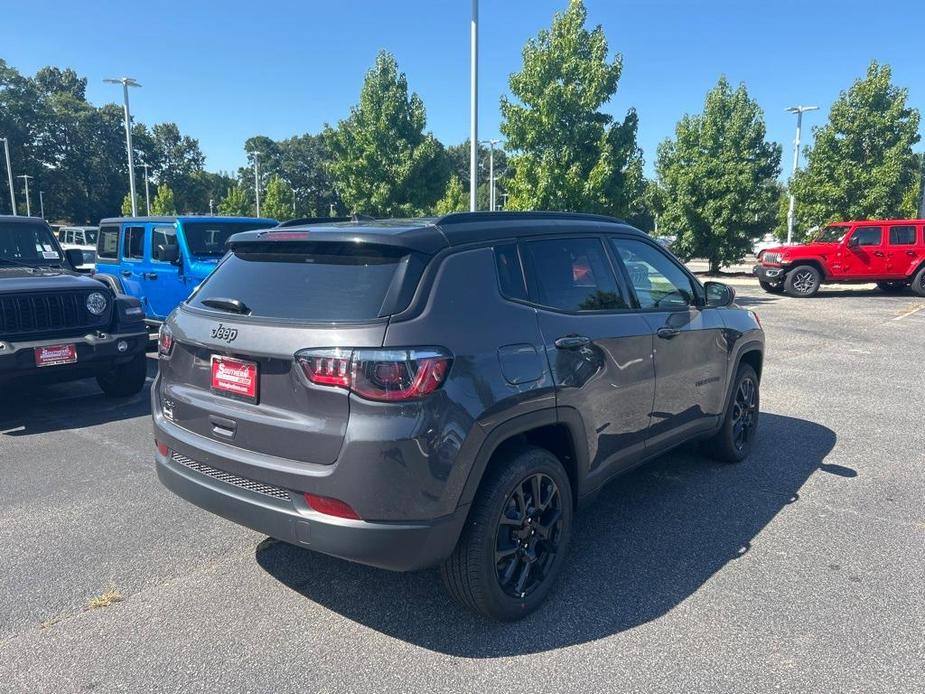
x=14, y=280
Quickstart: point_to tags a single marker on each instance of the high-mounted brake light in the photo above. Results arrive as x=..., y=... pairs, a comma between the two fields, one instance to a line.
x=384, y=375
x=164, y=341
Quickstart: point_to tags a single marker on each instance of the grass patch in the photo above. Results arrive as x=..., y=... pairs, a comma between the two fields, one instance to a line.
x=106, y=599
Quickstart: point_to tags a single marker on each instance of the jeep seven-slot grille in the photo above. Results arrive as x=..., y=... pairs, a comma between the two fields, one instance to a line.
x=229, y=478
x=22, y=314
x=771, y=258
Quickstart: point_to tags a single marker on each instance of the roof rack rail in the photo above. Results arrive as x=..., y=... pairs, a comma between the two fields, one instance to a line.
x=470, y=217
x=299, y=221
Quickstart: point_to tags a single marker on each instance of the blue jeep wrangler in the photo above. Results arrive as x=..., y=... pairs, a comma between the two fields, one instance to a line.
x=160, y=260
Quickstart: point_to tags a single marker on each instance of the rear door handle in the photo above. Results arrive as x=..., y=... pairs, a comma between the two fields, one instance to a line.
x=667, y=333
x=879, y=254
x=151, y=275
x=126, y=273
x=911, y=253
x=572, y=342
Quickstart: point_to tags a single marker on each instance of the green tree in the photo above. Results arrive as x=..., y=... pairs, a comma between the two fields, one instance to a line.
x=455, y=199
x=163, y=202
x=566, y=152
x=235, y=203
x=382, y=162
x=277, y=200
x=127, y=205
x=718, y=174
x=861, y=165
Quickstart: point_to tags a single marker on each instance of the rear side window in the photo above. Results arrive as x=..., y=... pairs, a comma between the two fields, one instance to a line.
x=108, y=243
x=572, y=275
x=306, y=281
x=510, y=272
x=902, y=235
x=869, y=236
x=134, y=243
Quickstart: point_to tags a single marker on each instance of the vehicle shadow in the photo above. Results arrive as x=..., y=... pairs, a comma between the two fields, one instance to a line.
x=651, y=539
x=39, y=409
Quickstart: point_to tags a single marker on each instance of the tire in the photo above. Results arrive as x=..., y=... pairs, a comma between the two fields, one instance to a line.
x=125, y=379
x=891, y=287
x=918, y=282
x=732, y=444
x=485, y=573
x=802, y=281
x=770, y=288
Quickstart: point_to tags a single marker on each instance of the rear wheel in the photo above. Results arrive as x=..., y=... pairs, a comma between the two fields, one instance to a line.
x=516, y=538
x=803, y=281
x=918, y=282
x=733, y=442
x=771, y=288
x=125, y=379
x=891, y=287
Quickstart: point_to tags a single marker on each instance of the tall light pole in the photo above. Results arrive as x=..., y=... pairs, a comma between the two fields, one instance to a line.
x=127, y=82
x=791, y=212
x=25, y=178
x=491, y=172
x=147, y=191
x=257, y=179
x=42, y=204
x=9, y=173
x=474, y=107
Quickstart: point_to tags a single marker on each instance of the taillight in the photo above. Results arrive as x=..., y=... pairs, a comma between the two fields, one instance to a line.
x=164, y=341
x=385, y=375
x=331, y=507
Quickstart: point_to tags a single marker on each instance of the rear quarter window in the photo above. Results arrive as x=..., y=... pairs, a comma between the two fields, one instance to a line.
x=306, y=282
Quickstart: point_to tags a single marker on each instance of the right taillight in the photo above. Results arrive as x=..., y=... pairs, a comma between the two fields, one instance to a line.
x=164, y=341
x=384, y=375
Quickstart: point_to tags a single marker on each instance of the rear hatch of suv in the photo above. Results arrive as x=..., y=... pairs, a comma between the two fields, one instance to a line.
x=256, y=356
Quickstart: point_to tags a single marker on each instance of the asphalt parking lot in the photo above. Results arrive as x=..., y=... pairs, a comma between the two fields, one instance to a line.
x=800, y=570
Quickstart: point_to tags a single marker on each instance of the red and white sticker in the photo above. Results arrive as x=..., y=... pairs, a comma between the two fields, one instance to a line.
x=55, y=354
x=234, y=376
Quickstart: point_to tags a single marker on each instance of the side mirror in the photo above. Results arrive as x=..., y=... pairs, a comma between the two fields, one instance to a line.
x=167, y=253
x=854, y=242
x=75, y=257
x=718, y=294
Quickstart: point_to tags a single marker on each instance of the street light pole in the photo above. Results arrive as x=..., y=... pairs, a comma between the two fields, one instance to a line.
x=42, y=203
x=127, y=82
x=147, y=192
x=491, y=173
x=791, y=212
x=257, y=179
x=25, y=178
x=9, y=173
x=474, y=107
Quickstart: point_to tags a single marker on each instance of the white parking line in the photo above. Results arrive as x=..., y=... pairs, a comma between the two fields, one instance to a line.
x=909, y=313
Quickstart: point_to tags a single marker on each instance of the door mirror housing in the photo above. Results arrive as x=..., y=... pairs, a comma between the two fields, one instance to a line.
x=75, y=257
x=718, y=294
x=167, y=253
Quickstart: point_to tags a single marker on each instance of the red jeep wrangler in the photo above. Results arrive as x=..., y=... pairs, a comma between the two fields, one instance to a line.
x=889, y=252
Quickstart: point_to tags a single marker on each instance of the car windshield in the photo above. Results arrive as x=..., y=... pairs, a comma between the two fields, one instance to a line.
x=208, y=238
x=24, y=243
x=832, y=234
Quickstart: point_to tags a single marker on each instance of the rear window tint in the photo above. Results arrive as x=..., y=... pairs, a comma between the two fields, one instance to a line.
x=510, y=273
x=902, y=235
x=311, y=282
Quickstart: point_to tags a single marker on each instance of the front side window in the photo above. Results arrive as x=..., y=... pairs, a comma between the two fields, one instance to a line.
x=573, y=275
x=108, y=243
x=868, y=236
x=134, y=247
x=658, y=281
x=902, y=235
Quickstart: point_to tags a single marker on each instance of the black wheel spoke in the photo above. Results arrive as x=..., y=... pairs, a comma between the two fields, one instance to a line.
x=503, y=554
x=522, y=581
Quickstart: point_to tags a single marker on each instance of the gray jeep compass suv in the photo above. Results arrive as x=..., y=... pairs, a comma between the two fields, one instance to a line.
x=411, y=393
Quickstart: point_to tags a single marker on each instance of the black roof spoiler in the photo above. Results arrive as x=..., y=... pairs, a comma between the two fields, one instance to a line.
x=324, y=220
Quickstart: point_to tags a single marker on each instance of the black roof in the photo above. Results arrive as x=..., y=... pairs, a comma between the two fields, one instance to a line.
x=170, y=219
x=5, y=218
x=432, y=234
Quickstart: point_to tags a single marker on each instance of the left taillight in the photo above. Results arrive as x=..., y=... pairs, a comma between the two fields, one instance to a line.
x=384, y=375
x=164, y=341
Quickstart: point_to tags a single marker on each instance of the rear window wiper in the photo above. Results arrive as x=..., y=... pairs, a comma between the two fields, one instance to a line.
x=224, y=304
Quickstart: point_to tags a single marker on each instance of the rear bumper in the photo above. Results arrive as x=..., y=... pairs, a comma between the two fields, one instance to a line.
x=394, y=546
x=772, y=275
x=95, y=353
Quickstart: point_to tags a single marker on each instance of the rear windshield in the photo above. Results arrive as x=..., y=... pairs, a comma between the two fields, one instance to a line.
x=312, y=282
x=29, y=244
x=208, y=238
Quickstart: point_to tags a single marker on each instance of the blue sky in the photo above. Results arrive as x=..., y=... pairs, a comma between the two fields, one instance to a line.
x=226, y=71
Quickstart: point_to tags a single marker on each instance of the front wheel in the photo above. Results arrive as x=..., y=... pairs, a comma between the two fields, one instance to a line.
x=733, y=442
x=125, y=379
x=803, y=281
x=516, y=538
x=918, y=282
x=891, y=287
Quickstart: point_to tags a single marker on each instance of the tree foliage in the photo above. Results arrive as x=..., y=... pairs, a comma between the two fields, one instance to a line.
x=455, y=198
x=718, y=174
x=163, y=202
x=567, y=153
x=861, y=165
x=382, y=162
x=236, y=203
x=277, y=200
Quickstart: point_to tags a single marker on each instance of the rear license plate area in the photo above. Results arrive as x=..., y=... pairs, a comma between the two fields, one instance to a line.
x=235, y=378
